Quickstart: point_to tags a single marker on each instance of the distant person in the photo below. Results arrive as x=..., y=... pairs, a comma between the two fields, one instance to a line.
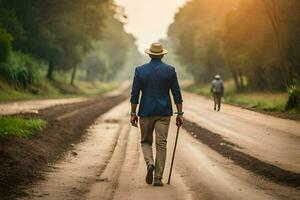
x=217, y=90
x=155, y=79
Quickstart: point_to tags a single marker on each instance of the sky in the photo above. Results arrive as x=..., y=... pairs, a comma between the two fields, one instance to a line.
x=148, y=20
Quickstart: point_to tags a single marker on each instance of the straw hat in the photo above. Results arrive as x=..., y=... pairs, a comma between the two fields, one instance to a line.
x=156, y=49
x=217, y=76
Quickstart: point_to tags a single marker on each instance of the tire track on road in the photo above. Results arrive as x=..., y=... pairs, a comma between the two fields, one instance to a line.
x=228, y=150
x=105, y=187
x=24, y=159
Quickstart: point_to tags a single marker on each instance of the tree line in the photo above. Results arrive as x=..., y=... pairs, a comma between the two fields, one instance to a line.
x=254, y=42
x=62, y=35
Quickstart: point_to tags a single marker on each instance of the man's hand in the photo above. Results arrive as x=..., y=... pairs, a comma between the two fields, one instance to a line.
x=179, y=120
x=134, y=120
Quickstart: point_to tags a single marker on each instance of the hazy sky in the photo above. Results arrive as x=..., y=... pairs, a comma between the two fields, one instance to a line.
x=148, y=20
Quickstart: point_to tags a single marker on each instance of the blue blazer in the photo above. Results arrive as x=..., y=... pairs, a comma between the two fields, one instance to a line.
x=155, y=80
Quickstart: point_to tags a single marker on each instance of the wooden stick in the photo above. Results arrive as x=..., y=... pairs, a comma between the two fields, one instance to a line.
x=173, y=156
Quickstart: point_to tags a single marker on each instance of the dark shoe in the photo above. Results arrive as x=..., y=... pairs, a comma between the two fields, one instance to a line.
x=158, y=183
x=149, y=176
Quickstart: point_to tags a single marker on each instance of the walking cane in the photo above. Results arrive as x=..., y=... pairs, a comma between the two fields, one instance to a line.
x=173, y=156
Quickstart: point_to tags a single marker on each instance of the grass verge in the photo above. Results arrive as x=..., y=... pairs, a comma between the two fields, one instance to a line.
x=266, y=101
x=97, y=87
x=51, y=90
x=263, y=101
x=20, y=127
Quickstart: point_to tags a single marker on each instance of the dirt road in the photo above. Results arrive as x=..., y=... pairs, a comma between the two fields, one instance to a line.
x=34, y=105
x=108, y=163
x=273, y=140
x=22, y=159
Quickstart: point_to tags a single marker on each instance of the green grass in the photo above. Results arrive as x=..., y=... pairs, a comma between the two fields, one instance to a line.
x=261, y=100
x=8, y=93
x=97, y=87
x=20, y=127
x=204, y=89
x=267, y=101
x=50, y=90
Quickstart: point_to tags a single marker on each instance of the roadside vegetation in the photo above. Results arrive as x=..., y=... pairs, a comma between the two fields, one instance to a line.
x=95, y=88
x=51, y=48
x=255, y=43
x=52, y=90
x=20, y=127
x=259, y=100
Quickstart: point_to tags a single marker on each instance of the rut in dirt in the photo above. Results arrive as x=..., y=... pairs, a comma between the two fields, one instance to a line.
x=229, y=150
x=22, y=160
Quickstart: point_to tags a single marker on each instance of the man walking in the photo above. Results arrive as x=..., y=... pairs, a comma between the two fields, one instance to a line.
x=217, y=89
x=154, y=80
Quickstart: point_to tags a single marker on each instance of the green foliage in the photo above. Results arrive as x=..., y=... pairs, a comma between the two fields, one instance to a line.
x=20, y=127
x=21, y=70
x=74, y=26
x=294, y=99
x=201, y=89
x=55, y=89
x=255, y=41
x=5, y=45
x=10, y=23
x=109, y=55
x=196, y=37
x=262, y=101
x=97, y=87
x=61, y=33
x=96, y=66
x=62, y=36
x=205, y=89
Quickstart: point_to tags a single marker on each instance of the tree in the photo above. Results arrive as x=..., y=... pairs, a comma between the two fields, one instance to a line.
x=54, y=30
x=75, y=27
x=62, y=32
x=195, y=37
x=256, y=41
x=5, y=45
x=113, y=49
x=274, y=14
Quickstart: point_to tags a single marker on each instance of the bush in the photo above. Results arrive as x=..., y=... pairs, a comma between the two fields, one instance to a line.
x=20, y=127
x=294, y=98
x=20, y=70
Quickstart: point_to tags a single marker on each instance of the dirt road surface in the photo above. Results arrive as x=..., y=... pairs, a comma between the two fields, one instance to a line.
x=33, y=106
x=108, y=163
x=273, y=140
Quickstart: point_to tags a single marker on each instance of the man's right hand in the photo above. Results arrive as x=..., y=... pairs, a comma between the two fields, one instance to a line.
x=134, y=120
x=179, y=120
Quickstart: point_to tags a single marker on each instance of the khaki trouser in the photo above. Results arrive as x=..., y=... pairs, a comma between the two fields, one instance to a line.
x=161, y=126
x=217, y=100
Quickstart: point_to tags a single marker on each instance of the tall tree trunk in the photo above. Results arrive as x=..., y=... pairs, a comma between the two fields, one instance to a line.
x=272, y=10
x=234, y=74
x=50, y=71
x=73, y=75
x=236, y=80
x=242, y=84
